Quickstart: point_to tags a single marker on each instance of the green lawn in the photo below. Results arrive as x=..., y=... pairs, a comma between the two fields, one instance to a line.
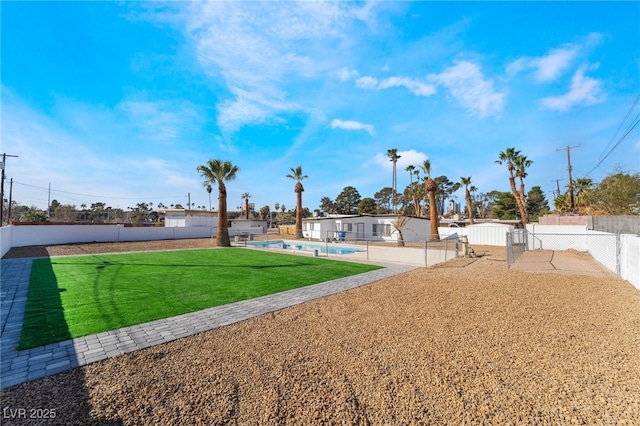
x=77, y=296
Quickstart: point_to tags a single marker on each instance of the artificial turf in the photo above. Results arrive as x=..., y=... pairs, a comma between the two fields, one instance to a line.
x=77, y=296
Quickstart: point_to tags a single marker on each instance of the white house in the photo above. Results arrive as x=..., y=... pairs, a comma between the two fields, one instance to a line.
x=182, y=218
x=364, y=227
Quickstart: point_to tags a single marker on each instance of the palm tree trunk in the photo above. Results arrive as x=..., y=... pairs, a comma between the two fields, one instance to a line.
x=299, y=214
x=469, y=206
x=433, y=217
x=523, y=202
x=222, y=239
x=516, y=195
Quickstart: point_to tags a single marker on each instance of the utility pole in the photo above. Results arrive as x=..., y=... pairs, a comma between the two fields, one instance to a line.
x=49, y=202
x=4, y=159
x=10, y=201
x=568, y=149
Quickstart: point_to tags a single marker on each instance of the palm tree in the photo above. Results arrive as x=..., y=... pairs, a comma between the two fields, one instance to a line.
x=246, y=197
x=296, y=174
x=584, y=190
x=431, y=187
x=219, y=171
x=393, y=157
x=209, y=189
x=417, y=193
x=398, y=224
x=510, y=156
x=521, y=171
x=467, y=195
x=410, y=168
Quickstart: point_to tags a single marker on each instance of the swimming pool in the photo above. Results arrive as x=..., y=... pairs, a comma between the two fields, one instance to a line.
x=305, y=246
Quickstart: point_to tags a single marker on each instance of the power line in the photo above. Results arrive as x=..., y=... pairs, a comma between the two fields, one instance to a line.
x=95, y=195
x=628, y=132
x=635, y=102
x=631, y=128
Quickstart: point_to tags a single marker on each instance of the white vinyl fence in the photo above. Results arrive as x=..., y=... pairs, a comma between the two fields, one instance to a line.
x=34, y=235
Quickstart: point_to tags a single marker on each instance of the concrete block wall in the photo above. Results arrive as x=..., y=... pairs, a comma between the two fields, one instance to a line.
x=556, y=219
x=614, y=224
x=617, y=224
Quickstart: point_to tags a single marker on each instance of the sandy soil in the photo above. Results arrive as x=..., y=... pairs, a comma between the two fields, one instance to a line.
x=468, y=342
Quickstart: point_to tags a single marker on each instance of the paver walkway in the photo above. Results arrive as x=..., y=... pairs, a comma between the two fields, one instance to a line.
x=31, y=364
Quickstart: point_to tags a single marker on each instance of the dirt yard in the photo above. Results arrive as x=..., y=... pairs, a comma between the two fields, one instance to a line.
x=468, y=342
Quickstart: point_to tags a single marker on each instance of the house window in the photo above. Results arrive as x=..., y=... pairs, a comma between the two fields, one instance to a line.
x=381, y=229
x=347, y=227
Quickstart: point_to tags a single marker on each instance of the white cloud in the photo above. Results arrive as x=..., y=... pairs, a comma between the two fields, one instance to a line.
x=352, y=125
x=407, y=158
x=416, y=87
x=467, y=84
x=257, y=48
x=346, y=74
x=78, y=149
x=556, y=62
x=583, y=91
x=160, y=121
x=367, y=82
x=548, y=67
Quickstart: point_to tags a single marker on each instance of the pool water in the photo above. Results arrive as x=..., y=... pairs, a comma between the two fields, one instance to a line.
x=305, y=246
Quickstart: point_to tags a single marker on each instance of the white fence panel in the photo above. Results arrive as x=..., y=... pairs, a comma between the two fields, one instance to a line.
x=34, y=235
x=630, y=259
x=195, y=232
x=488, y=234
x=557, y=237
x=145, y=234
x=603, y=246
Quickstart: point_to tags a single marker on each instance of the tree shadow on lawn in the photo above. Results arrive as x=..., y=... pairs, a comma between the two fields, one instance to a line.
x=65, y=401
x=44, y=305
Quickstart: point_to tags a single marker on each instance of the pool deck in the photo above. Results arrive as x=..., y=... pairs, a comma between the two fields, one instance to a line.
x=22, y=366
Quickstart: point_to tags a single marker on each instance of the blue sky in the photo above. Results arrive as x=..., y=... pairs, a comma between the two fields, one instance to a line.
x=119, y=102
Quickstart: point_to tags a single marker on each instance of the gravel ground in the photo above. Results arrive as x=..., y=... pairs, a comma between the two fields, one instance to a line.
x=468, y=342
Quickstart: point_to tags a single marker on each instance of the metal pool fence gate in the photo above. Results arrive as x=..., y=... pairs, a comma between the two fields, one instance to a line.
x=516, y=244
